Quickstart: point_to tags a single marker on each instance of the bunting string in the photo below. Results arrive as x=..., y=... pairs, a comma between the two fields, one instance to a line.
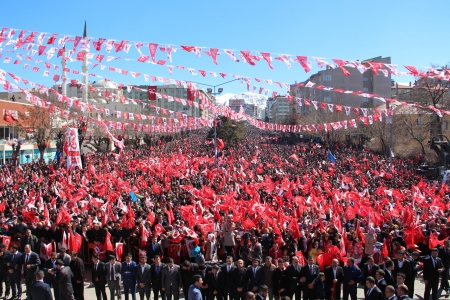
x=42, y=39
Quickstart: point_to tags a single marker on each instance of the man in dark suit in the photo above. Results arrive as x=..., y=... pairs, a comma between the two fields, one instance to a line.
x=280, y=281
x=48, y=278
x=63, y=276
x=293, y=274
x=401, y=265
x=352, y=275
x=256, y=275
x=171, y=280
x=402, y=292
x=4, y=256
x=77, y=267
x=188, y=270
x=240, y=280
x=389, y=272
x=334, y=275
x=308, y=276
x=227, y=270
x=129, y=277
x=389, y=293
x=380, y=281
x=29, y=239
x=444, y=254
x=40, y=290
x=216, y=283
x=154, y=248
x=369, y=269
x=203, y=271
x=31, y=263
x=113, y=276
x=156, y=274
x=143, y=278
x=99, y=277
x=263, y=292
x=14, y=264
x=372, y=291
x=432, y=268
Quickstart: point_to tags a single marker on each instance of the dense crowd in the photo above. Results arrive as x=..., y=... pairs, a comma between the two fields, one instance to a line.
x=274, y=219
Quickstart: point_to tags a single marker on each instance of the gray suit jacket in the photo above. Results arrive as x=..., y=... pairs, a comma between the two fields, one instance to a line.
x=144, y=277
x=171, y=277
x=117, y=269
x=64, y=280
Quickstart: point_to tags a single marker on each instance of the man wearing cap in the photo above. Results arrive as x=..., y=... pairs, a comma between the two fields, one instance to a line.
x=4, y=256
x=64, y=257
x=14, y=265
x=77, y=267
x=63, y=276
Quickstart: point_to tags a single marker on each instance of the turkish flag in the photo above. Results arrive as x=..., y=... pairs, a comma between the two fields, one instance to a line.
x=220, y=144
x=119, y=251
x=7, y=116
x=108, y=243
x=159, y=229
x=152, y=92
x=46, y=251
x=7, y=241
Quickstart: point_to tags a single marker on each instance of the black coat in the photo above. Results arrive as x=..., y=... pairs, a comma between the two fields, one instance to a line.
x=293, y=277
x=430, y=271
x=320, y=290
x=3, y=260
x=366, y=273
x=187, y=275
x=33, y=261
x=240, y=279
x=406, y=269
x=215, y=284
x=64, y=280
x=40, y=291
x=329, y=277
x=77, y=267
x=382, y=285
x=100, y=273
x=375, y=294
x=310, y=275
x=156, y=277
x=227, y=276
x=151, y=254
x=279, y=280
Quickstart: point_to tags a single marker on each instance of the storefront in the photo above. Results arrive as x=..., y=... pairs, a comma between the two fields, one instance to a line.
x=6, y=156
x=29, y=155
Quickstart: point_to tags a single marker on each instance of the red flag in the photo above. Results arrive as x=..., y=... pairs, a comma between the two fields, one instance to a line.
x=342, y=244
x=159, y=229
x=301, y=258
x=267, y=58
x=321, y=261
x=63, y=217
x=384, y=249
x=46, y=251
x=7, y=116
x=123, y=222
x=119, y=251
x=220, y=144
x=108, y=243
x=152, y=92
x=6, y=240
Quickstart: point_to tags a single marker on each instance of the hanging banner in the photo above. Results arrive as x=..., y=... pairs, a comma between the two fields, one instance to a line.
x=73, y=153
x=152, y=92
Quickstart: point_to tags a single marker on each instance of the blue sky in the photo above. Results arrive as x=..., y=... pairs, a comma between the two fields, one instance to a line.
x=411, y=32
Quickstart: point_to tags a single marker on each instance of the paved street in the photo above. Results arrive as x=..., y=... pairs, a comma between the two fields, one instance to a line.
x=89, y=292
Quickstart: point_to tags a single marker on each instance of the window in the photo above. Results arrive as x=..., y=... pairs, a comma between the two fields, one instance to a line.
x=299, y=92
x=365, y=78
x=326, y=77
x=365, y=99
x=418, y=121
x=365, y=90
x=445, y=125
x=326, y=99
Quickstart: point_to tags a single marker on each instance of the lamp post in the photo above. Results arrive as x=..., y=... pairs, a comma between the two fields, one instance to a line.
x=213, y=92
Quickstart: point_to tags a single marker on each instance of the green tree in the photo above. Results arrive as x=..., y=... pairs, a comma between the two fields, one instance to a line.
x=231, y=132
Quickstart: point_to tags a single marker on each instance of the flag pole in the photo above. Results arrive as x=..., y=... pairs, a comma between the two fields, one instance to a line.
x=215, y=141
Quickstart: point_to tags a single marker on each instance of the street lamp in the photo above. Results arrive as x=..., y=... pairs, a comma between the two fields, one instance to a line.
x=213, y=92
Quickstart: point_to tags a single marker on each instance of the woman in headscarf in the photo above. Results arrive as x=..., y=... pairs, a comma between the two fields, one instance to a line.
x=211, y=248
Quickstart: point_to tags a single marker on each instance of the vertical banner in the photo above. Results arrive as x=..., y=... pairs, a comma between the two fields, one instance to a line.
x=73, y=153
x=152, y=92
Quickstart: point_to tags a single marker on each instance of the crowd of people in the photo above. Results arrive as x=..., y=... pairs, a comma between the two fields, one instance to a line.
x=274, y=220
